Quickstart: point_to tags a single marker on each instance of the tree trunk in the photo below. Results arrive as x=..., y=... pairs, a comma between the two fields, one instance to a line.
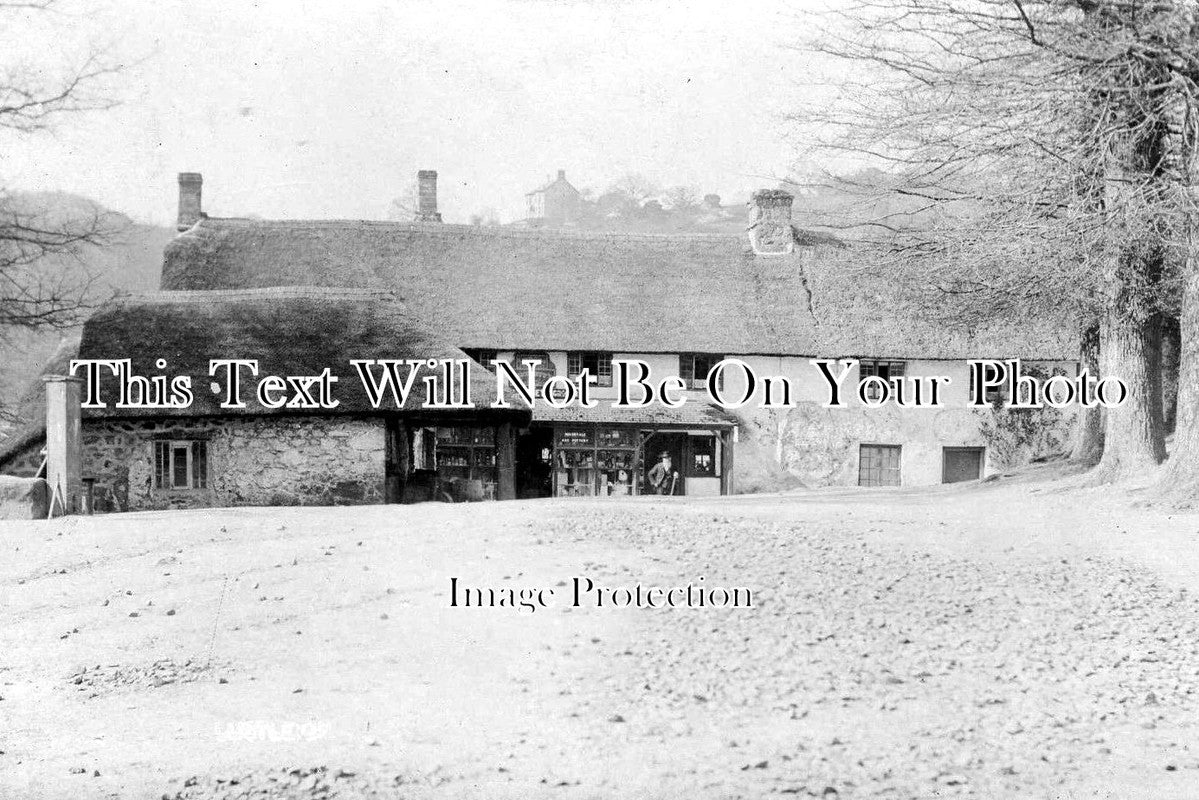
x=1180, y=479
x=1171, y=345
x=1130, y=349
x=1088, y=432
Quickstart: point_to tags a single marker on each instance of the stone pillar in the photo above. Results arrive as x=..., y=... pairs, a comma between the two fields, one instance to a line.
x=64, y=443
x=505, y=462
x=190, y=206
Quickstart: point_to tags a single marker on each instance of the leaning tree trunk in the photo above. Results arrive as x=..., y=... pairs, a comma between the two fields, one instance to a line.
x=1088, y=431
x=1130, y=349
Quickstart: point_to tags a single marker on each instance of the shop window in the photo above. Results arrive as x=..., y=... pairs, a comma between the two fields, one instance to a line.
x=181, y=464
x=597, y=364
x=878, y=465
x=466, y=453
x=881, y=369
x=703, y=457
x=694, y=369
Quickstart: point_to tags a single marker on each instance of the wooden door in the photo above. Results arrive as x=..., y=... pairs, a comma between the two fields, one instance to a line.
x=962, y=464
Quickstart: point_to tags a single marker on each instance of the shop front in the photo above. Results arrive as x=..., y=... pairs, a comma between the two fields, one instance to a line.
x=589, y=453
x=625, y=452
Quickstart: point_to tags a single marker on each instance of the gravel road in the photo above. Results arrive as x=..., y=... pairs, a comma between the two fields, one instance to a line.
x=903, y=645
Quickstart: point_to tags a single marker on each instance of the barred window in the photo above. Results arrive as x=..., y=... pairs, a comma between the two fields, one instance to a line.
x=879, y=465
x=597, y=364
x=180, y=464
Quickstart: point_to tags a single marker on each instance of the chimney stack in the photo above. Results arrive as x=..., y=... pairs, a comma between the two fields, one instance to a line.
x=770, y=230
x=561, y=174
x=426, y=200
x=64, y=443
x=190, y=210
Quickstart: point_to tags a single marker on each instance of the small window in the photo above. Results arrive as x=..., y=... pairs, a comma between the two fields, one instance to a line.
x=882, y=369
x=995, y=395
x=482, y=357
x=181, y=464
x=703, y=456
x=597, y=364
x=694, y=369
x=878, y=465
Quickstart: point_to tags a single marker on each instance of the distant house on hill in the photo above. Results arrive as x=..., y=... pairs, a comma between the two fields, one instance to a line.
x=772, y=294
x=556, y=204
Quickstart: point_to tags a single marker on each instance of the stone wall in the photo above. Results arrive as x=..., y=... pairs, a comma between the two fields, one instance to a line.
x=23, y=498
x=26, y=462
x=251, y=461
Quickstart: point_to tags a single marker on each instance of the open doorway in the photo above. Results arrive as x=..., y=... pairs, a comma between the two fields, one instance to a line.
x=534, y=463
x=673, y=446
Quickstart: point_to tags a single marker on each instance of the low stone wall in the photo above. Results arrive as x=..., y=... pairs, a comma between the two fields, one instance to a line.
x=252, y=461
x=23, y=498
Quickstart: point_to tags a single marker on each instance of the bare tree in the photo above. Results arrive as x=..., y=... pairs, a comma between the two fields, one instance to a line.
x=43, y=276
x=636, y=188
x=1030, y=155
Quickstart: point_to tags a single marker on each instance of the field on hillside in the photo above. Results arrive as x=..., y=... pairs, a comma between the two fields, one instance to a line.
x=1020, y=640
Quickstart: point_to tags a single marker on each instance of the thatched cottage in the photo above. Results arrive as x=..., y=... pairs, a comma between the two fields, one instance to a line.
x=775, y=296
x=204, y=454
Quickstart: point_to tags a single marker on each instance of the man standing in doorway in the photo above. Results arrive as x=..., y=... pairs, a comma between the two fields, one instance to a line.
x=661, y=476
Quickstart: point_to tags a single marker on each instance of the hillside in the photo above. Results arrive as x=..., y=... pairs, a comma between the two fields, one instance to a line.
x=131, y=261
x=900, y=646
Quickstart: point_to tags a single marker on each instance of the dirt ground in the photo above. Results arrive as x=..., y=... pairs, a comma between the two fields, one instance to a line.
x=1016, y=639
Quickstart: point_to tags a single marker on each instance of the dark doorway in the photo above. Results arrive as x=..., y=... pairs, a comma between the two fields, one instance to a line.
x=675, y=446
x=962, y=464
x=534, y=463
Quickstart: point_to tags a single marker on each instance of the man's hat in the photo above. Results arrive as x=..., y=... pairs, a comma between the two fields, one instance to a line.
x=663, y=454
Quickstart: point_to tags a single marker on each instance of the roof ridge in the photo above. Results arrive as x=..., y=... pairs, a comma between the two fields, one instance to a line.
x=496, y=231
x=197, y=295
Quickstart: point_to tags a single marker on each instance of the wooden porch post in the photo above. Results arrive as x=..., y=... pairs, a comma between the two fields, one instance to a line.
x=397, y=459
x=505, y=462
x=726, y=462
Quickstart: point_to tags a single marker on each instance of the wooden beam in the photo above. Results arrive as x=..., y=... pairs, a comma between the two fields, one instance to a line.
x=397, y=460
x=505, y=462
x=726, y=463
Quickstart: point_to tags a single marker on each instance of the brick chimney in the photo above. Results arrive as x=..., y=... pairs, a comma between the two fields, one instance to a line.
x=770, y=230
x=190, y=210
x=64, y=443
x=561, y=174
x=426, y=197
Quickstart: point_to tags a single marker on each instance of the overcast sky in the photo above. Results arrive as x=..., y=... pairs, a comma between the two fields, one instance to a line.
x=327, y=109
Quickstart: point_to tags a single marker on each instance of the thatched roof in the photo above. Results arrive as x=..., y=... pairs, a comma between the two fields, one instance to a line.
x=288, y=330
x=508, y=288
